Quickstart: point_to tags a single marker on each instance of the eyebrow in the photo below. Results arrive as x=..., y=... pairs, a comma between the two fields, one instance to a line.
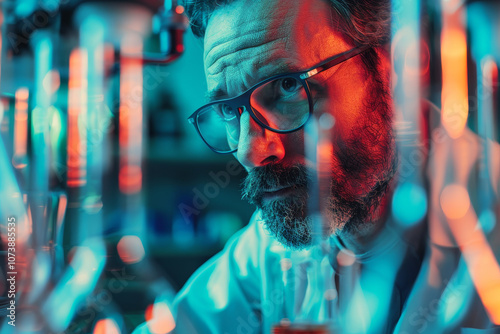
x=283, y=68
x=214, y=95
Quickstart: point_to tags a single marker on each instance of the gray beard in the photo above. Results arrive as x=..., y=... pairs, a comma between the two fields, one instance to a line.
x=287, y=221
x=287, y=218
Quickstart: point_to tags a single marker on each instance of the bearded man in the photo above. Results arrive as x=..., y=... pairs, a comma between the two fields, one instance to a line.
x=271, y=67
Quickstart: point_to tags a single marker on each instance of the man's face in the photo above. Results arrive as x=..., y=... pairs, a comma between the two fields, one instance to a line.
x=250, y=40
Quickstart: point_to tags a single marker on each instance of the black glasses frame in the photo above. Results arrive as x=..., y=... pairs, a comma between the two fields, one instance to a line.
x=243, y=100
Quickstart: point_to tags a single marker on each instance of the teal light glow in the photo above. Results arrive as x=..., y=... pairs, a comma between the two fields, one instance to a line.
x=409, y=204
x=482, y=27
x=453, y=304
x=78, y=281
x=10, y=199
x=56, y=127
x=43, y=63
x=25, y=8
x=92, y=31
x=487, y=220
x=41, y=269
x=43, y=51
x=357, y=316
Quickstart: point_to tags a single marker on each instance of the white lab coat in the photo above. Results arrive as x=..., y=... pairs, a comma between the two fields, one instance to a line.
x=241, y=290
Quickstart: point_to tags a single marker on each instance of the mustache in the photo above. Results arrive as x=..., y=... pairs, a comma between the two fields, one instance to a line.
x=272, y=176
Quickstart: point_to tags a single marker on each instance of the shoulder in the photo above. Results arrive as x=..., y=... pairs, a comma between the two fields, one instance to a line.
x=226, y=287
x=236, y=266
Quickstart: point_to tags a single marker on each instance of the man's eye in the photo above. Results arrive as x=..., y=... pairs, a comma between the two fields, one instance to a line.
x=289, y=85
x=227, y=112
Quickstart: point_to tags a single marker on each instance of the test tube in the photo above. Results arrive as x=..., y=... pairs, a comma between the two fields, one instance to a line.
x=317, y=314
x=92, y=34
x=43, y=51
x=131, y=135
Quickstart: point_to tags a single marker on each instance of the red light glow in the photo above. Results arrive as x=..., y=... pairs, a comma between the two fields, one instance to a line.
x=179, y=10
x=77, y=110
x=159, y=318
x=19, y=160
x=130, y=118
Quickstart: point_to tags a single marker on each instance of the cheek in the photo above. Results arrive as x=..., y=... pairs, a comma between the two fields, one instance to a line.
x=344, y=117
x=294, y=146
x=344, y=98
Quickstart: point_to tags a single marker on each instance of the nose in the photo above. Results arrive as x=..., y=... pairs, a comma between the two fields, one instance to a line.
x=257, y=146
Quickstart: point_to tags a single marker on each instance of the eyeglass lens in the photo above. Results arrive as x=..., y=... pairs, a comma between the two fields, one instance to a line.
x=280, y=104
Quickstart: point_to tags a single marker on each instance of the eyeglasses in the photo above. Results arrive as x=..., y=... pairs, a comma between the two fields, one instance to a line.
x=282, y=104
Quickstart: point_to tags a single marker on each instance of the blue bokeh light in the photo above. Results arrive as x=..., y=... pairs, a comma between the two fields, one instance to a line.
x=409, y=204
x=487, y=220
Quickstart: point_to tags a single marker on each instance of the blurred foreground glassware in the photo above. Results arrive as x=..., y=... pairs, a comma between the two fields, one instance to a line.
x=38, y=260
x=142, y=294
x=309, y=303
x=309, y=291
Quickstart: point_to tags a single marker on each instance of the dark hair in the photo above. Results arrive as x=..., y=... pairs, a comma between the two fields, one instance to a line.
x=364, y=22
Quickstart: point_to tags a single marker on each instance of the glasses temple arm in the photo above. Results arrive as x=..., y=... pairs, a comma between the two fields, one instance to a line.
x=335, y=61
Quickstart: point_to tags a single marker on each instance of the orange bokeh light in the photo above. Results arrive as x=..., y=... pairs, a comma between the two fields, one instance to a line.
x=454, y=97
x=130, y=179
x=130, y=249
x=159, y=318
x=22, y=94
x=19, y=160
x=346, y=258
x=106, y=326
x=479, y=257
x=455, y=201
x=179, y=9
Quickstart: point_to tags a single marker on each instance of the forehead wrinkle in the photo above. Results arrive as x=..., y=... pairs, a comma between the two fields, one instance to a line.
x=247, y=79
x=245, y=24
x=243, y=47
x=234, y=38
x=273, y=49
x=221, y=54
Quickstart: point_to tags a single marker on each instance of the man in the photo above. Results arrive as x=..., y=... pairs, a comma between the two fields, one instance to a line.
x=271, y=67
x=242, y=50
